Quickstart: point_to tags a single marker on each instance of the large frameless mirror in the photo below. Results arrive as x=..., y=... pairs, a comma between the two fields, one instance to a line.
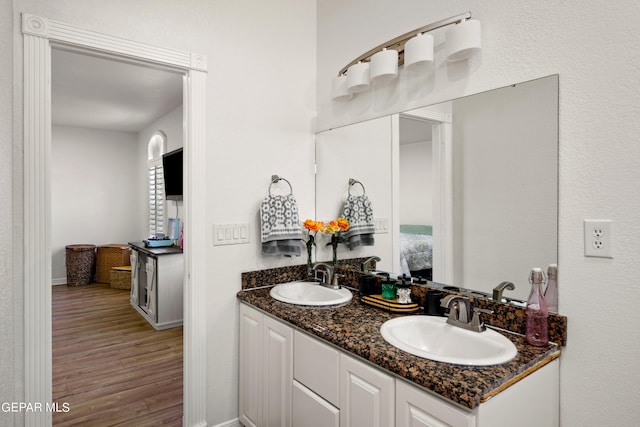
x=464, y=192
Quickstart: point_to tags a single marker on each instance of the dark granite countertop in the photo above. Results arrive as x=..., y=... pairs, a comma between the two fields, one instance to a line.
x=355, y=328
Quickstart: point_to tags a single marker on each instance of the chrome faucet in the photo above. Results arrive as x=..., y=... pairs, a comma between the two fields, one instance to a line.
x=497, y=291
x=463, y=314
x=365, y=265
x=328, y=278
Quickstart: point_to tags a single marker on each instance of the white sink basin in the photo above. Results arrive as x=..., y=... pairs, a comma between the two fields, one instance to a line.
x=432, y=338
x=309, y=293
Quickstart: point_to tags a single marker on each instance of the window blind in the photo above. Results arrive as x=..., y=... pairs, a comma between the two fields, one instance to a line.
x=156, y=200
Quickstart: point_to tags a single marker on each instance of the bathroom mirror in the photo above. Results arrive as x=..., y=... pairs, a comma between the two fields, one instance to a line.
x=473, y=182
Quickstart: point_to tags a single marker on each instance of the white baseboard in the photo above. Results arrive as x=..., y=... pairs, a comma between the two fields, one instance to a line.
x=230, y=423
x=62, y=281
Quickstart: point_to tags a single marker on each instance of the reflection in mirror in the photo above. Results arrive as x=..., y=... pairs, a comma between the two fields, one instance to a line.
x=481, y=171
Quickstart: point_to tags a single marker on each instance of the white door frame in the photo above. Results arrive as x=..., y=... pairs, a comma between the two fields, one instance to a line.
x=441, y=135
x=39, y=34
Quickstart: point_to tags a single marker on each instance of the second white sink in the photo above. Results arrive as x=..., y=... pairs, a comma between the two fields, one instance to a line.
x=309, y=293
x=432, y=338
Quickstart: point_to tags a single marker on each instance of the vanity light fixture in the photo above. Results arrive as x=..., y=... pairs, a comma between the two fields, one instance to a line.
x=411, y=49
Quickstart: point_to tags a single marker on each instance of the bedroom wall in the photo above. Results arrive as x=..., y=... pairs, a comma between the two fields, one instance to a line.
x=92, y=173
x=416, y=194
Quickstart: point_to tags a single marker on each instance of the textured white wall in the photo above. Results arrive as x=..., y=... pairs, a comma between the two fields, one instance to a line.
x=8, y=298
x=262, y=115
x=593, y=47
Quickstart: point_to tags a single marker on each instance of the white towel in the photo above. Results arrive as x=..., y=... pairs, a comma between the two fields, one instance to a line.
x=359, y=212
x=280, y=226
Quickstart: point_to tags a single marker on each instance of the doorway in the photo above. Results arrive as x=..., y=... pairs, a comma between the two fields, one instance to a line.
x=40, y=34
x=104, y=112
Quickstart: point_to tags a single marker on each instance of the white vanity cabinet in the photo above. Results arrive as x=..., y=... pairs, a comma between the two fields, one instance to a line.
x=366, y=395
x=157, y=276
x=290, y=378
x=266, y=370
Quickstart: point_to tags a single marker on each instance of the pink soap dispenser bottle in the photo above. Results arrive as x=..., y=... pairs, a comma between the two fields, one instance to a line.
x=551, y=293
x=537, y=313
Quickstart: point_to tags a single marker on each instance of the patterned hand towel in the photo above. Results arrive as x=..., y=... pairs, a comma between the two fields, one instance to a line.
x=358, y=211
x=281, y=230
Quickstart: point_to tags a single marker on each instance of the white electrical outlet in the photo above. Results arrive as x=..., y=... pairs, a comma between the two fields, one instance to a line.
x=597, y=238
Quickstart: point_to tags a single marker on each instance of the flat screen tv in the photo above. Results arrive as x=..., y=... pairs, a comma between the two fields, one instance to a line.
x=172, y=168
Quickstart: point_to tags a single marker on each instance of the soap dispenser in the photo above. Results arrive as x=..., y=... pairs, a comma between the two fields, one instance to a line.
x=389, y=288
x=537, y=326
x=404, y=289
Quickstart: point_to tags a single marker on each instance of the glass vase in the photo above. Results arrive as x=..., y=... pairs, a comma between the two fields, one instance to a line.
x=334, y=247
x=310, y=275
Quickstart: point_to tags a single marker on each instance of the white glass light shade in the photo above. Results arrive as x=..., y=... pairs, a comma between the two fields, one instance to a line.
x=384, y=66
x=418, y=50
x=358, y=77
x=463, y=40
x=339, y=89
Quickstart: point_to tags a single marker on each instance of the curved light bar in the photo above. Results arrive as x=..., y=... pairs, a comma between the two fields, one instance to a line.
x=412, y=48
x=398, y=42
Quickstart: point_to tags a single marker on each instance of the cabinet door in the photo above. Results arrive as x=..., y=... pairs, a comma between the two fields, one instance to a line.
x=133, y=258
x=316, y=365
x=151, y=302
x=278, y=373
x=250, y=365
x=311, y=410
x=366, y=395
x=416, y=408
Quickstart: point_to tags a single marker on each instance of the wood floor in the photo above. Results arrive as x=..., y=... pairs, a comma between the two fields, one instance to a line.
x=109, y=365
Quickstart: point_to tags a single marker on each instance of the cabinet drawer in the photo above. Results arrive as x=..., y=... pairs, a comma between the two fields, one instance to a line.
x=316, y=365
x=310, y=410
x=417, y=408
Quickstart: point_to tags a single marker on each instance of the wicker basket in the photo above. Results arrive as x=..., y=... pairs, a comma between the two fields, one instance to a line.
x=109, y=256
x=121, y=277
x=81, y=264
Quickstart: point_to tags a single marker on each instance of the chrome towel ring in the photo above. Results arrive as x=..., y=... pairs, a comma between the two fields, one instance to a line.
x=275, y=179
x=353, y=182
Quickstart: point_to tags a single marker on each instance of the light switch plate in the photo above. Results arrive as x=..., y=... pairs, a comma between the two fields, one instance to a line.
x=230, y=234
x=382, y=225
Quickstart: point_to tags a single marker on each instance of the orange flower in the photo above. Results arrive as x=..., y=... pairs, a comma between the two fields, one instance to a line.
x=337, y=225
x=315, y=226
x=333, y=227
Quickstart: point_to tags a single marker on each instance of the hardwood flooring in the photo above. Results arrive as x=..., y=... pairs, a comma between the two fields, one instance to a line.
x=109, y=365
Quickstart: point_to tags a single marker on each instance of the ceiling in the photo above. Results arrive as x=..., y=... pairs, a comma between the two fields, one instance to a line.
x=100, y=93
x=414, y=130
